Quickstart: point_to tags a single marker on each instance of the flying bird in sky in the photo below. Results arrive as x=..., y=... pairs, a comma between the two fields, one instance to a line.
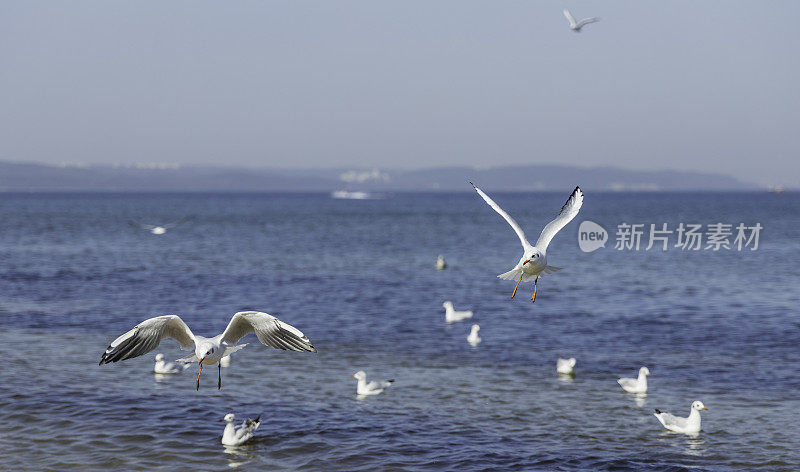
x=577, y=25
x=533, y=262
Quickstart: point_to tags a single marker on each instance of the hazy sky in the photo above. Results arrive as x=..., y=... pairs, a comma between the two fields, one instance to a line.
x=711, y=86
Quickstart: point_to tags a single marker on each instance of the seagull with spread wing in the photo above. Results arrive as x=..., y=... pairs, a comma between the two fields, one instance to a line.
x=577, y=25
x=146, y=336
x=533, y=262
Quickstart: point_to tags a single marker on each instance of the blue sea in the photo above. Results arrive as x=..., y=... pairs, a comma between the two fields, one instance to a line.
x=358, y=278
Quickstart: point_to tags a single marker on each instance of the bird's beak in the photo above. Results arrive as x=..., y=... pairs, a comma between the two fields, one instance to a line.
x=704, y=408
x=526, y=262
x=201, y=361
x=354, y=376
x=647, y=374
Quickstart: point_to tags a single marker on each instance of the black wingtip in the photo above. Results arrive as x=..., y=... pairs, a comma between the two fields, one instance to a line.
x=658, y=412
x=473, y=185
x=390, y=380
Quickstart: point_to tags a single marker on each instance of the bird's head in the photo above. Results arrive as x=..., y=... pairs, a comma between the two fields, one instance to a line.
x=644, y=371
x=698, y=405
x=159, y=357
x=228, y=418
x=532, y=256
x=571, y=361
x=447, y=304
x=475, y=328
x=360, y=375
x=204, y=349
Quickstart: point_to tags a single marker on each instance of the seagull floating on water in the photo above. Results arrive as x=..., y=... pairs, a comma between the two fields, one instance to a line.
x=164, y=367
x=233, y=436
x=577, y=25
x=146, y=336
x=371, y=388
x=637, y=385
x=533, y=262
x=690, y=425
x=473, y=337
x=160, y=229
x=451, y=315
x=440, y=263
x=566, y=366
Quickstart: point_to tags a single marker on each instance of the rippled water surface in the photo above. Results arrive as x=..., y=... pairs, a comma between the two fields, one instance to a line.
x=358, y=278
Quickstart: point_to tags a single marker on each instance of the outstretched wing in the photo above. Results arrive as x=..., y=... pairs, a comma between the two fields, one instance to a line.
x=585, y=22
x=567, y=213
x=569, y=18
x=146, y=336
x=271, y=331
x=506, y=216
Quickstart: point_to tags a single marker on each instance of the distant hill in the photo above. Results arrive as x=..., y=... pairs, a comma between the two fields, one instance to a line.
x=168, y=178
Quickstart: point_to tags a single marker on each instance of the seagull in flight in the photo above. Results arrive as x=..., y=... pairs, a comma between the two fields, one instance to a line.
x=533, y=262
x=160, y=229
x=577, y=25
x=146, y=336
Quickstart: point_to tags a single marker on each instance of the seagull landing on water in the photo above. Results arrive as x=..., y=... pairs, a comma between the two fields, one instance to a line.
x=533, y=262
x=233, y=436
x=690, y=425
x=146, y=336
x=160, y=229
x=577, y=25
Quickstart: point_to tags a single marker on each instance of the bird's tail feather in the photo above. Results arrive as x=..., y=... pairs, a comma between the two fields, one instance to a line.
x=549, y=270
x=512, y=274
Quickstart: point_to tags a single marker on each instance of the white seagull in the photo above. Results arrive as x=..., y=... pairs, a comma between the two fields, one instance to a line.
x=566, y=366
x=473, y=337
x=451, y=315
x=164, y=367
x=146, y=336
x=576, y=26
x=533, y=262
x=637, y=385
x=690, y=425
x=160, y=229
x=233, y=436
x=371, y=388
x=440, y=263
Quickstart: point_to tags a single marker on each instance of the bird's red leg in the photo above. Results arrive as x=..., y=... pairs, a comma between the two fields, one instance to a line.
x=198, y=376
x=219, y=376
x=535, y=282
x=515, y=288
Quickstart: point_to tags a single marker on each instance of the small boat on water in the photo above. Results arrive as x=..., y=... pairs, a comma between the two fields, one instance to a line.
x=344, y=193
